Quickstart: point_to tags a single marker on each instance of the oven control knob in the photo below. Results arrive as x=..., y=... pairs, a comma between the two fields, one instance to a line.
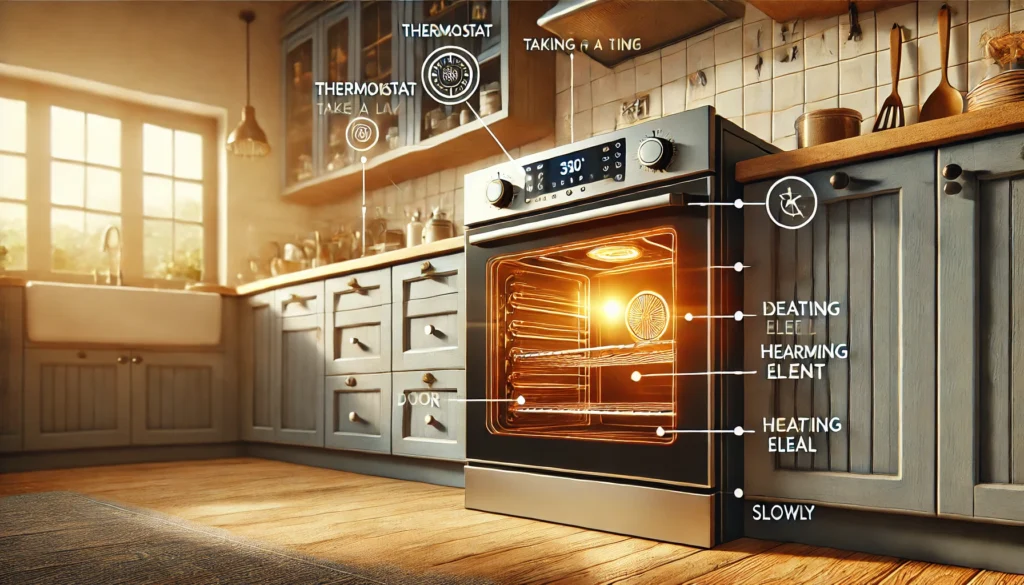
x=499, y=193
x=654, y=153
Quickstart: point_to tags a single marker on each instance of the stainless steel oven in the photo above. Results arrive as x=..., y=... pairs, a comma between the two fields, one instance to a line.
x=600, y=274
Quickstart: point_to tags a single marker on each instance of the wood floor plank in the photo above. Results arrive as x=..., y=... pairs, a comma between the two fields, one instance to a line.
x=615, y=571
x=919, y=573
x=783, y=565
x=701, y=563
x=994, y=578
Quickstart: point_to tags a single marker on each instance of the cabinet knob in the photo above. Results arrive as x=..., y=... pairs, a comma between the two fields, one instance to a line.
x=426, y=267
x=354, y=341
x=350, y=381
x=952, y=188
x=429, y=419
x=952, y=171
x=353, y=283
x=121, y=359
x=839, y=181
x=429, y=378
x=136, y=359
x=430, y=330
x=82, y=355
x=353, y=417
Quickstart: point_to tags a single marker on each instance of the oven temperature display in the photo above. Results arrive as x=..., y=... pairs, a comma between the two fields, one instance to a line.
x=604, y=161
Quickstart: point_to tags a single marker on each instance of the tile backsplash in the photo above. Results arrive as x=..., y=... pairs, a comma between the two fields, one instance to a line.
x=760, y=74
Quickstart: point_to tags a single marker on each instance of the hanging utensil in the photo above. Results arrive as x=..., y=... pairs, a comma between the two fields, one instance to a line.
x=891, y=114
x=946, y=99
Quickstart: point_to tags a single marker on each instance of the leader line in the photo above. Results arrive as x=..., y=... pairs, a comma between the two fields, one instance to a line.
x=738, y=204
x=738, y=431
x=520, y=401
x=637, y=376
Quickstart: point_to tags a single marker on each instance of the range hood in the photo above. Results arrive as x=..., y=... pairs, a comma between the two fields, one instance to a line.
x=655, y=22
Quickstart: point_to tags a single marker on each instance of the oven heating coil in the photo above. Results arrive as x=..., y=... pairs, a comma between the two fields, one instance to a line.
x=647, y=316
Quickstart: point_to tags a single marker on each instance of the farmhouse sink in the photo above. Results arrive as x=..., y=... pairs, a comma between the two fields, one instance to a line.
x=125, y=316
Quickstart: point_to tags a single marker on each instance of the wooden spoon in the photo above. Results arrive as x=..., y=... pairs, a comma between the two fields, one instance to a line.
x=945, y=100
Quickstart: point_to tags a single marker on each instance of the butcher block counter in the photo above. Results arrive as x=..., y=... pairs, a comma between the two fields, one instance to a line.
x=921, y=136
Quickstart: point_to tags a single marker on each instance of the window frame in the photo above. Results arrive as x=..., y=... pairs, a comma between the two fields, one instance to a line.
x=39, y=97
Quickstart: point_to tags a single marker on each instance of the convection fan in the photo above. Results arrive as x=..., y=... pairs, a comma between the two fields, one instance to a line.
x=647, y=316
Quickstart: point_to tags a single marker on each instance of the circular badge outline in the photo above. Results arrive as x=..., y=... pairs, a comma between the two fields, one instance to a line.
x=768, y=200
x=376, y=133
x=474, y=72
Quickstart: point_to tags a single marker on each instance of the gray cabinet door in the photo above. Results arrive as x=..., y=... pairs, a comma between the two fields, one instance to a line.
x=297, y=380
x=358, y=291
x=358, y=412
x=429, y=414
x=871, y=248
x=76, y=399
x=11, y=364
x=359, y=341
x=981, y=329
x=177, y=398
x=258, y=329
x=429, y=314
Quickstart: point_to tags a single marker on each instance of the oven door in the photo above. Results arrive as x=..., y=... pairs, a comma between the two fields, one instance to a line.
x=584, y=321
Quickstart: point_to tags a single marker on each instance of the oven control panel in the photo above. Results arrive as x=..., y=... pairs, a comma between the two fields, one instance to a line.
x=634, y=158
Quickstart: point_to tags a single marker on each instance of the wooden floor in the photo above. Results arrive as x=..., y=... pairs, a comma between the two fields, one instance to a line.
x=357, y=519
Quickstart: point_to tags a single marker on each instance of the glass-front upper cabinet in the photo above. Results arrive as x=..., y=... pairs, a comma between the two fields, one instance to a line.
x=434, y=119
x=299, y=108
x=338, y=46
x=380, y=61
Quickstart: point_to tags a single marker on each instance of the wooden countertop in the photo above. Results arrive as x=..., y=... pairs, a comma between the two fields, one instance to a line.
x=919, y=136
x=12, y=281
x=367, y=263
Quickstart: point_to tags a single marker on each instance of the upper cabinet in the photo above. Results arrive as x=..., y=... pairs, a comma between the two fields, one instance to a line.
x=368, y=42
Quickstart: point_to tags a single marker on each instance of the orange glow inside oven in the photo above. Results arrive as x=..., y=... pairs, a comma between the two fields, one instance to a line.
x=569, y=325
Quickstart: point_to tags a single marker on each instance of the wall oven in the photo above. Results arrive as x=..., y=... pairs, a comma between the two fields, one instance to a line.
x=601, y=273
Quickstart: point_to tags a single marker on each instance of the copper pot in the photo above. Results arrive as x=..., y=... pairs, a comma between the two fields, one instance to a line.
x=827, y=125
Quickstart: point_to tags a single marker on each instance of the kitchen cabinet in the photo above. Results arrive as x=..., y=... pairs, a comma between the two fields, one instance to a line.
x=177, y=398
x=981, y=329
x=11, y=367
x=429, y=315
x=297, y=380
x=256, y=334
x=359, y=323
x=871, y=249
x=359, y=412
x=429, y=414
x=365, y=42
x=76, y=399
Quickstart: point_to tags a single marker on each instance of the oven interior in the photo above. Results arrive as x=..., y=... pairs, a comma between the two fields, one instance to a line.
x=588, y=334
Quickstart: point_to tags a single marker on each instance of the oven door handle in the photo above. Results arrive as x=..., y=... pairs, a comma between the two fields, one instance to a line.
x=664, y=200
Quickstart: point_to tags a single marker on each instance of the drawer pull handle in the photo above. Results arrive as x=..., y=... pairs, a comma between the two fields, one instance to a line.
x=121, y=359
x=952, y=188
x=426, y=267
x=136, y=359
x=353, y=283
x=297, y=298
x=429, y=420
x=355, y=341
x=350, y=381
x=81, y=355
x=839, y=181
x=353, y=417
x=431, y=330
x=952, y=171
x=429, y=378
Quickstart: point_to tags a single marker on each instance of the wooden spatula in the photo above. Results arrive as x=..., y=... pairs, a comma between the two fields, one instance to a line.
x=945, y=100
x=891, y=114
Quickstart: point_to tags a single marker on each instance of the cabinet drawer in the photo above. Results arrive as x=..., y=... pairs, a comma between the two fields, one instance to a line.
x=426, y=421
x=428, y=334
x=358, y=412
x=359, y=341
x=429, y=278
x=358, y=291
x=300, y=300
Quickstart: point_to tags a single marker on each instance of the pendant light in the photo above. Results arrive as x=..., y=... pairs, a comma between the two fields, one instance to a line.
x=248, y=139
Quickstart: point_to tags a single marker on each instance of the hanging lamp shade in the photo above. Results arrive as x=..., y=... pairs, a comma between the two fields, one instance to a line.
x=248, y=139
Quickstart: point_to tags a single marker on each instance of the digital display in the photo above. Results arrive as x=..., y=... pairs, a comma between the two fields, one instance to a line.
x=604, y=161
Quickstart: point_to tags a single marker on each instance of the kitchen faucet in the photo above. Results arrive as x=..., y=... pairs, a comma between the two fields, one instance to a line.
x=111, y=248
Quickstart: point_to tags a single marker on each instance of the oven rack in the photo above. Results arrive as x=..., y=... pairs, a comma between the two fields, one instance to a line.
x=602, y=408
x=635, y=354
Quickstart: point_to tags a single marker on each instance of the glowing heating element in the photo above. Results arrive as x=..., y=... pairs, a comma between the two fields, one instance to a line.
x=615, y=253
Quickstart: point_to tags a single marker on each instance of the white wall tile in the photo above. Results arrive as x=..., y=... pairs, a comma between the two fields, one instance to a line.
x=701, y=103
x=982, y=30
x=757, y=98
x=786, y=33
x=674, y=48
x=813, y=26
x=850, y=48
x=730, y=103
x=832, y=102
x=673, y=66
x=697, y=90
x=928, y=15
x=862, y=101
x=728, y=26
x=982, y=9
x=598, y=71
x=625, y=84
x=700, y=56
x=867, y=125
x=648, y=75
x=821, y=47
x=673, y=96
x=1017, y=21
x=602, y=90
x=654, y=105
x=821, y=82
x=757, y=37
x=928, y=56
x=787, y=91
x=786, y=143
x=783, y=123
x=1014, y=5
x=905, y=16
x=647, y=57
x=710, y=34
x=857, y=74
x=978, y=71
x=729, y=76
x=582, y=98
x=605, y=117
x=582, y=67
x=751, y=74
x=729, y=46
x=561, y=72
x=753, y=14
x=759, y=125
x=783, y=61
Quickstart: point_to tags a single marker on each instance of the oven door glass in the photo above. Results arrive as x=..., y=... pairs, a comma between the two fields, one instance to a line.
x=585, y=330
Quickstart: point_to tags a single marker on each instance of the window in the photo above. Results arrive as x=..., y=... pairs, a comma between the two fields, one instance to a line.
x=73, y=166
x=13, y=187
